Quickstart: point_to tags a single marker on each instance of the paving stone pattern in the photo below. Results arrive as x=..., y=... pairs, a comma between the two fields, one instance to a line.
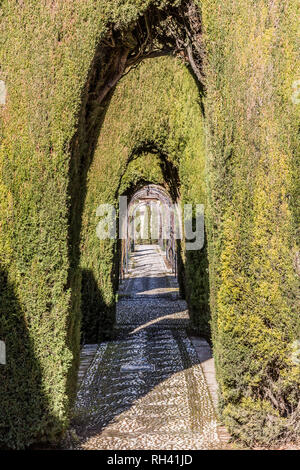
x=147, y=389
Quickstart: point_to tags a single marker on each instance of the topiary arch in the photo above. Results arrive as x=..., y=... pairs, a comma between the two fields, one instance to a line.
x=218, y=118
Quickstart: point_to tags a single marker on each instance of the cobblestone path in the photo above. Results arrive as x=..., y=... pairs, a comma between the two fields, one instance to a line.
x=146, y=390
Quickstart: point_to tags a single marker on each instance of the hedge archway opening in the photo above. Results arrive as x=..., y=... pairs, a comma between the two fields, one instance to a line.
x=151, y=218
x=67, y=152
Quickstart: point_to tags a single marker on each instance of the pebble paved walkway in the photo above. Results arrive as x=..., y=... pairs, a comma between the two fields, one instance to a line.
x=146, y=390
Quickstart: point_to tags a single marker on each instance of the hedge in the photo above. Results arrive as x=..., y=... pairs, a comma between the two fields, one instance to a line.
x=252, y=149
x=63, y=153
x=169, y=124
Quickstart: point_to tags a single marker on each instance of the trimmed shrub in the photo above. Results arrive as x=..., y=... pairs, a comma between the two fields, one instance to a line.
x=252, y=179
x=168, y=124
x=63, y=153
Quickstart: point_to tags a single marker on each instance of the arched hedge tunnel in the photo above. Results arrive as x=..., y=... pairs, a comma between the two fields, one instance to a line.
x=144, y=137
x=87, y=119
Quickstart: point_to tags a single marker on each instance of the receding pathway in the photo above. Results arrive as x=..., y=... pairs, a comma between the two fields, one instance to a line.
x=146, y=390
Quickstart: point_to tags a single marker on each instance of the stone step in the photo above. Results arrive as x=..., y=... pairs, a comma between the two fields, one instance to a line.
x=87, y=355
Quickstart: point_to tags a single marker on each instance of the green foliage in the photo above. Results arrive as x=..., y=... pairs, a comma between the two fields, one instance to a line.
x=167, y=119
x=252, y=144
x=50, y=187
x=46, y=55
x=46, y=51
x=144, y=168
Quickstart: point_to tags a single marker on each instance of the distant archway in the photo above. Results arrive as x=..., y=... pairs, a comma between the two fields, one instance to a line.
x=160, y=222
x=68, y=136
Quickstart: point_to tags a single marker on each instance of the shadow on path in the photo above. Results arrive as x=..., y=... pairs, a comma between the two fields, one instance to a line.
x=146, y=389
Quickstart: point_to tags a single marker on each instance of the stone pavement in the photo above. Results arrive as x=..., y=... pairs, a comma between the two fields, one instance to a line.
x=147, y=390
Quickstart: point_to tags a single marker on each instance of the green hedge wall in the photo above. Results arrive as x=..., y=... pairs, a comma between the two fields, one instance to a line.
x=252, y=148
x=48, y=179
x=46, y=51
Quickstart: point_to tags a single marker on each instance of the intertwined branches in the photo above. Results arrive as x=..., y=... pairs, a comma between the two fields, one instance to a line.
x=173, y=31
